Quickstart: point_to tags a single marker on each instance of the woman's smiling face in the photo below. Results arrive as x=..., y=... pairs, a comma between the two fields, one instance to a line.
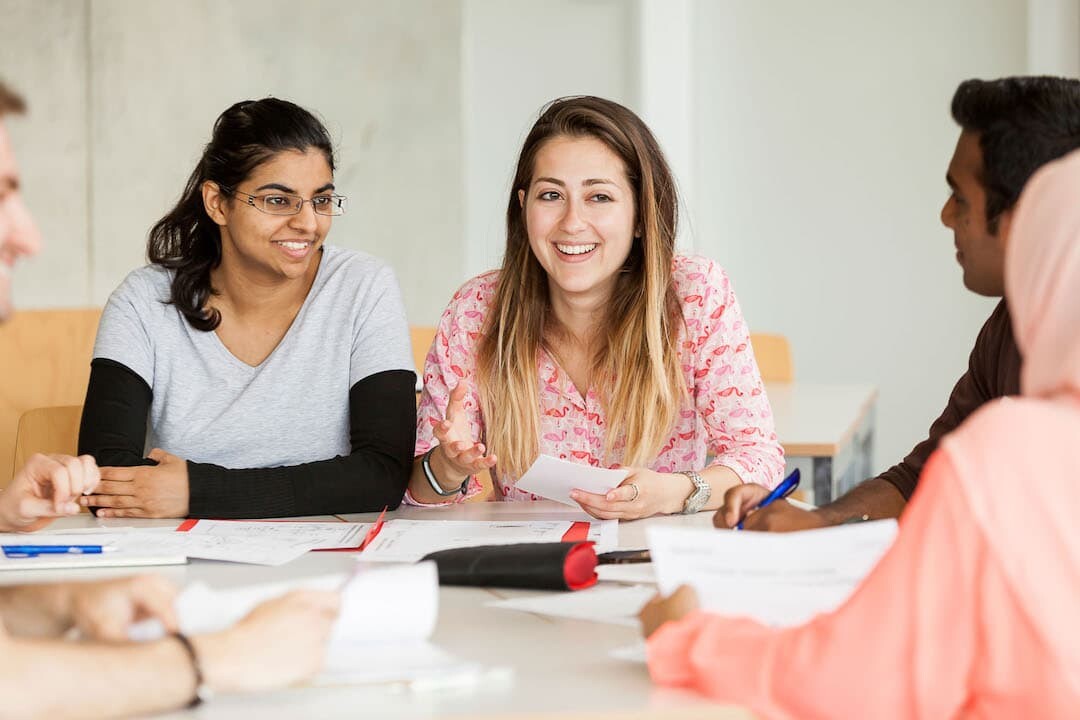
x=579, y=213
x=279, y=245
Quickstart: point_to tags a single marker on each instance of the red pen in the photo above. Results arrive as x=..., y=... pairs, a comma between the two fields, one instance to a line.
x=373, y=531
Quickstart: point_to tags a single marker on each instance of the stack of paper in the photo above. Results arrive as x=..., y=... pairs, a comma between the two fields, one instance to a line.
x=259, y=543
x=776, y=578
x=119, y=551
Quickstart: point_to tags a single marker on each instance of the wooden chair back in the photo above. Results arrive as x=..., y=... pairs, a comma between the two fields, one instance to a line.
x=422, y=337
x=47, y=430
x=773, y=355
x=44, y=362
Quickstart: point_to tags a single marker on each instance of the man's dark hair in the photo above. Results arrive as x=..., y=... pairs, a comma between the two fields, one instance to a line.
x=1023, y=123
x=10, y=101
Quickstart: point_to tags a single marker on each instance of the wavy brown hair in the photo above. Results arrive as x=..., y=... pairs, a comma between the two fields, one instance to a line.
x=635, y=365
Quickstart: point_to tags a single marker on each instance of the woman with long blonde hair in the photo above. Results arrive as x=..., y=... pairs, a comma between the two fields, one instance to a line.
x=594, y=342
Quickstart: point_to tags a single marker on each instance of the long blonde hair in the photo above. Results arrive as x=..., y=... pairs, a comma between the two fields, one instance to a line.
x=636, y=361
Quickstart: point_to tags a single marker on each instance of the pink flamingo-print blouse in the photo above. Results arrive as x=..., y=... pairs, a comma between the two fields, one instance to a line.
x=725, y=415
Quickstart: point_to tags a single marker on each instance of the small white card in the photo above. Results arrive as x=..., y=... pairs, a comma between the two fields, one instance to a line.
x=553, y=479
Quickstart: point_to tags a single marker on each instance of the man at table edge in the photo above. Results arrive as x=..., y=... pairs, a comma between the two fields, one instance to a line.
x=1010, y=127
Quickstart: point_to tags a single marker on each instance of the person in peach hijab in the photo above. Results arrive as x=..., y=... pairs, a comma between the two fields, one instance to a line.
x=975, y=610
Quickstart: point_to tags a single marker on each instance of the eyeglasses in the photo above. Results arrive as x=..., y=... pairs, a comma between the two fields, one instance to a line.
x=281, y=203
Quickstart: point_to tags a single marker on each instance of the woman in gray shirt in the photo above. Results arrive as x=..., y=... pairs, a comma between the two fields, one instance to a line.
x=270, y=373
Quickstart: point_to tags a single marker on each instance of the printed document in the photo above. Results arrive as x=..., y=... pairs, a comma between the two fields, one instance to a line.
x=410, y=540
x=778, y=579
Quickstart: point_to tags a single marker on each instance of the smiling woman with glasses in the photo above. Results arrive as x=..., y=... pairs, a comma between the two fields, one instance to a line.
x=270, y=373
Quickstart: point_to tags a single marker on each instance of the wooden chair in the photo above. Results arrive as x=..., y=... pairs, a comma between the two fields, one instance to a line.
x=773, y=354
x=44, y=362
x=47, y=430
x=421, y=337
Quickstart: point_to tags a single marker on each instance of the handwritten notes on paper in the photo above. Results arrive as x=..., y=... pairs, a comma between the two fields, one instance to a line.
x=268, y=543
x=410, y=540
x=554, y=479
x=776, y=578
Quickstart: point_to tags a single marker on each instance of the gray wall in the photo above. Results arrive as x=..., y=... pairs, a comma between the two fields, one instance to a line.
x=123, y=94
x=824, y=134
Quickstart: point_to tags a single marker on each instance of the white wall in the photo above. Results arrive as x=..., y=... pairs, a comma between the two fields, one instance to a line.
x=43, y=55
x=1054, y=37
x=517, y=56
x=824, y=133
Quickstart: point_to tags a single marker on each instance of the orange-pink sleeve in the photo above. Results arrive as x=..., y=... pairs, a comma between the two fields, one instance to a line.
x=903, y=645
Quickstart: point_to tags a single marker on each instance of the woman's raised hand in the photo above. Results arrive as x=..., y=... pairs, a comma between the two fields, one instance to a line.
x=461, y=454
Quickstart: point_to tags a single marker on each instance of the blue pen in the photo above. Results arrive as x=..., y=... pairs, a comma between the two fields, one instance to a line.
x=30, y=551
x=780, y=491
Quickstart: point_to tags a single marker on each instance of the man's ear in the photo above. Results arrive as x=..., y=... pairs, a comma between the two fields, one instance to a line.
x=214, y=201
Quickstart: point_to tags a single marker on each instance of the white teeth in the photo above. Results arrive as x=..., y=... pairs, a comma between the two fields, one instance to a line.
x=293, y=245
x=576, y=249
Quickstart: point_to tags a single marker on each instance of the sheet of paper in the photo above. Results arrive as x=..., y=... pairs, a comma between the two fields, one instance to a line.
x=311, y=535
x=387, y=615
x=122, y=552
x=776, y=578
x=410, y=540
x=613, y=605
x=553, y=479
x=256, y=543
x=605, y=533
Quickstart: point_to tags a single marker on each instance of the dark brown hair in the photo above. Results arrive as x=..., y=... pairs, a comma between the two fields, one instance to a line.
x=187, y=240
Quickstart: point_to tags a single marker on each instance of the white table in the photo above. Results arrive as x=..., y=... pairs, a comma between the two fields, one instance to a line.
x=827, y=432
x=556, y=667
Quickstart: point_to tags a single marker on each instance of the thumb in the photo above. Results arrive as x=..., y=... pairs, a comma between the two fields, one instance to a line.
x=30, y=508
x=738, y=501
x=158, y=455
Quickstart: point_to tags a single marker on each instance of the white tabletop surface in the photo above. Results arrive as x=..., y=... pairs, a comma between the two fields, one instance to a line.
x=818, y=418
x=540, y=666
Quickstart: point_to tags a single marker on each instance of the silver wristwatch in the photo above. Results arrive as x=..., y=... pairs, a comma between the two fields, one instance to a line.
x=700, y=495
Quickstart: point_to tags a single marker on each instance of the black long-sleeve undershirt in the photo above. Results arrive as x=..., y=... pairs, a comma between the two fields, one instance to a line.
x=382, y=434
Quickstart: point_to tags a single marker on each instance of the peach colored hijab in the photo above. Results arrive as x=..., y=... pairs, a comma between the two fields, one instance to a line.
x=1030, y=446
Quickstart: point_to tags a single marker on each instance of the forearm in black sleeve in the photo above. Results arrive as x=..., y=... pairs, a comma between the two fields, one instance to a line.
x=382, y=429
x=113, y=426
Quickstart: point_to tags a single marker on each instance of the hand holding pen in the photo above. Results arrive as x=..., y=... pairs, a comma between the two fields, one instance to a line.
x=785, y=488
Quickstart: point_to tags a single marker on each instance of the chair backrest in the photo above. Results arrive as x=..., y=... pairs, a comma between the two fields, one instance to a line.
x=47, y=430
x=44, y=362
x=421, y=337
x=773, y=355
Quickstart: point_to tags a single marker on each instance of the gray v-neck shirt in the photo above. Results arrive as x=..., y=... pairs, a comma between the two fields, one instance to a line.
x=209, y=406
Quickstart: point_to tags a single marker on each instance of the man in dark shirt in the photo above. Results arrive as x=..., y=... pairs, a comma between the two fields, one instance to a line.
x=1009, y=128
